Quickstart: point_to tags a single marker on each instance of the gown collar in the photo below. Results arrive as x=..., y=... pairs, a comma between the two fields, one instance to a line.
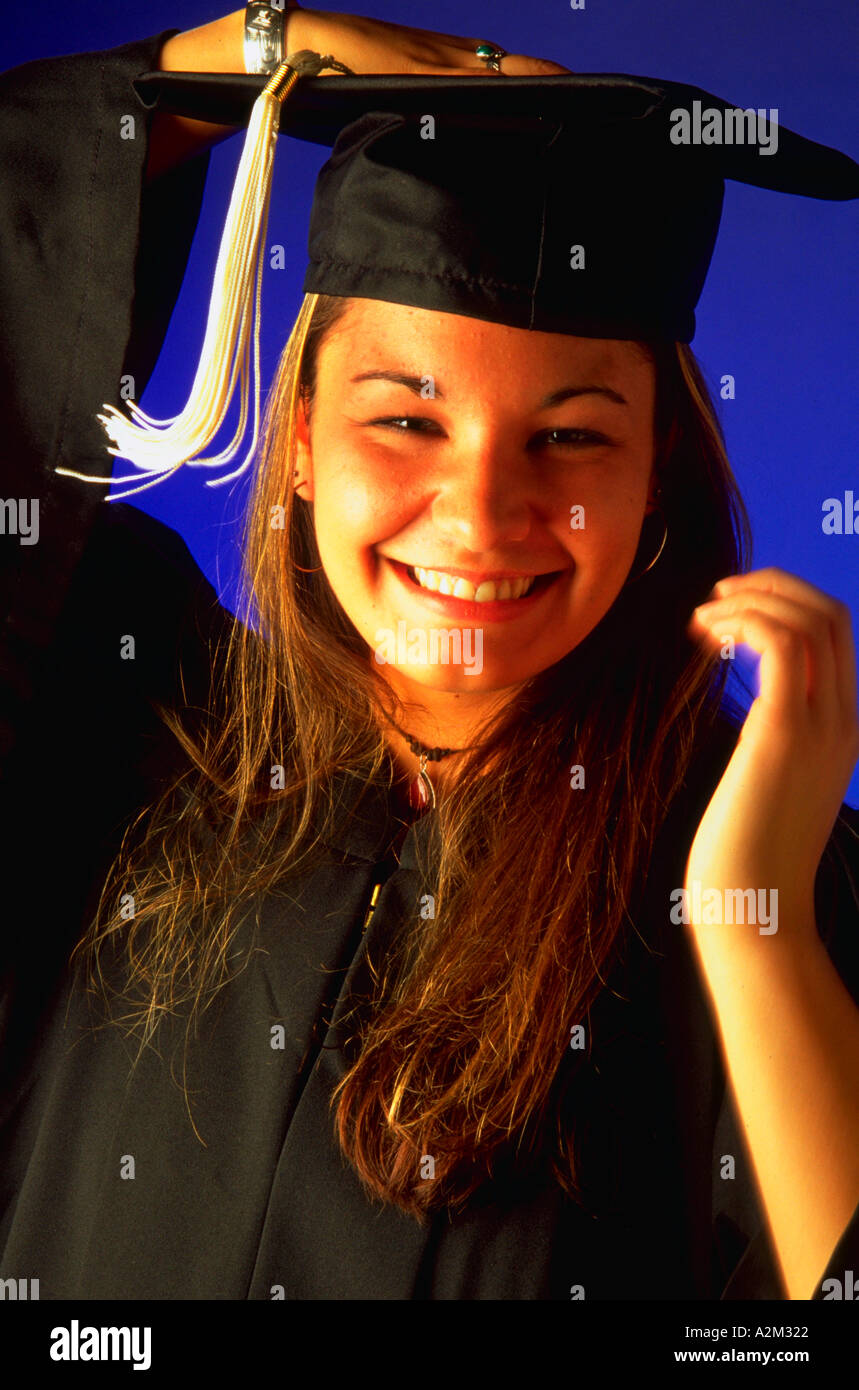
x=371, y=824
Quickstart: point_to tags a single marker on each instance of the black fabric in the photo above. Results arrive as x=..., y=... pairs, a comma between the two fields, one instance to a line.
x=239, y=1190
x=608, y=222
x=91, y=260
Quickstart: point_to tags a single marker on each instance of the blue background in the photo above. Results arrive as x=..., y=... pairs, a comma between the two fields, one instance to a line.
x=779, y=308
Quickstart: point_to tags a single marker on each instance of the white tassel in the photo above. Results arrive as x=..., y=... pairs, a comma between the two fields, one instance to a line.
x=161, y=447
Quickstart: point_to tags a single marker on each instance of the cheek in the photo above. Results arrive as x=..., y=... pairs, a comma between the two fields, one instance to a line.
x=357, y=505
x=605, y=527
x=604, y=550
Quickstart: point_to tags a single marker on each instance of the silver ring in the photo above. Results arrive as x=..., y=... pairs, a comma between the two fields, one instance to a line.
x=490, y=55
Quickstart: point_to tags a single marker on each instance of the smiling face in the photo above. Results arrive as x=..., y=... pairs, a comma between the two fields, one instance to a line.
x=531, y=460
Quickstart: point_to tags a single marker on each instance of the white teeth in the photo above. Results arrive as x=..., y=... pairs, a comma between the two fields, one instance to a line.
x=487, y=591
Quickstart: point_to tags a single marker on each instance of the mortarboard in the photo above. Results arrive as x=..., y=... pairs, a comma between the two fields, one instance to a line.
x=586, y=204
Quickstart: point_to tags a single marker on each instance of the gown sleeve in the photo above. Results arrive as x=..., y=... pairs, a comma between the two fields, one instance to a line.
x=92, y=257
x=742, y=1247
x=91, y=261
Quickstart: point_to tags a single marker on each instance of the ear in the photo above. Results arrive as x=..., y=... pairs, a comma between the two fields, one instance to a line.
x=303, y=479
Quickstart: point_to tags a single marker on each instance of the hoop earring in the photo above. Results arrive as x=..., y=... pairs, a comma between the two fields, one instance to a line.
x=632, y=578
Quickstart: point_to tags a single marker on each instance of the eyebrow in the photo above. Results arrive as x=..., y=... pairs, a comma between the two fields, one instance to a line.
x=414, y=383
x=566, y=393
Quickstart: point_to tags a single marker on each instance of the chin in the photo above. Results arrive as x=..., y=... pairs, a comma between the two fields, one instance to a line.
x=494, y=677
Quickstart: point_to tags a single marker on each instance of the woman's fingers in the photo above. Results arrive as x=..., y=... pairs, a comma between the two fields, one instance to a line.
x=798, y=671
x=513, y=65
x=371, y=46
x=520, y=65
x=781, y=585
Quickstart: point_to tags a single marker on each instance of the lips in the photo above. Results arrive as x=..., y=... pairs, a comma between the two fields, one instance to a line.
x=469, y=609
x=462, y=587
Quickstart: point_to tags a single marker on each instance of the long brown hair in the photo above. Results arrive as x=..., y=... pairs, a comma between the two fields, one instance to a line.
x=456, y=1053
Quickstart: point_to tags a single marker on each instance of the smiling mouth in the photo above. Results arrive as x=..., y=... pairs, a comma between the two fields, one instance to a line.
x=485, y=591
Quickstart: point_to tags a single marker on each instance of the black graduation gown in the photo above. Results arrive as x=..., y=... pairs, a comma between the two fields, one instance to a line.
x=254, y=1201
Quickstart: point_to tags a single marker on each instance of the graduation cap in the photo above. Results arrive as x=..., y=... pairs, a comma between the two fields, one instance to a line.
x=585, y=203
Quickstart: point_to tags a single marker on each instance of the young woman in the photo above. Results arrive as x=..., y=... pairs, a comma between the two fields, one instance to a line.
x=386, y=994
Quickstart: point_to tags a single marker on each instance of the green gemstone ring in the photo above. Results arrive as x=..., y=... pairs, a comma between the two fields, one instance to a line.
x=490, y=55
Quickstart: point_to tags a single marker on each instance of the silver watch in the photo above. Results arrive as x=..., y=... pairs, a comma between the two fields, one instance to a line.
x=265, y=22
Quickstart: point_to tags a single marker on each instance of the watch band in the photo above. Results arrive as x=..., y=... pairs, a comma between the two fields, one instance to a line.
x=265, y=25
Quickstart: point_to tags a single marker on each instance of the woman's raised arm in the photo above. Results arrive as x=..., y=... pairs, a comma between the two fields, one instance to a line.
x=91, y=261
x=364, y=45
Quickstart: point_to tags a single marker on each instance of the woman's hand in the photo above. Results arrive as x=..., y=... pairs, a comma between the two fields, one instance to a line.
x=372, y=46
x=772, y=813
x=364, y=45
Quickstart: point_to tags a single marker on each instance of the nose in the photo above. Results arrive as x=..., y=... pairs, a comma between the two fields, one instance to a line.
x=484, y=497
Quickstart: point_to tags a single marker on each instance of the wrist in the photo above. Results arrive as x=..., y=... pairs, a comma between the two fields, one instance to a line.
x=215, y=47
x=220, y=45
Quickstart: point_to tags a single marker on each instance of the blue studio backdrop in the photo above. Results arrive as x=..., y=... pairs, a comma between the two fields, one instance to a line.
x=778, y=313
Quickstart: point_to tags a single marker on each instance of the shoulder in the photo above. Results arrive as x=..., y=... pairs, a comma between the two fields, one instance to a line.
x=149, y=554
x=120, y=524
x=138, y=578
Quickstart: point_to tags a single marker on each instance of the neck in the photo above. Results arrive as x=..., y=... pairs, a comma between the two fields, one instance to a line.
x=442, y=719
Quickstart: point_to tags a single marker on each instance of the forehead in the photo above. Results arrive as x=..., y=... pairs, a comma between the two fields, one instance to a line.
x=372, y=331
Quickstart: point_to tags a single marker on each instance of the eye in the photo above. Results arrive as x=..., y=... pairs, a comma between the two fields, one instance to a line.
x=571, y=439
x=407, y=424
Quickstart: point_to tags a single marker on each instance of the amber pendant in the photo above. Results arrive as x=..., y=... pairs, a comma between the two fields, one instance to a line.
x=421, y=790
